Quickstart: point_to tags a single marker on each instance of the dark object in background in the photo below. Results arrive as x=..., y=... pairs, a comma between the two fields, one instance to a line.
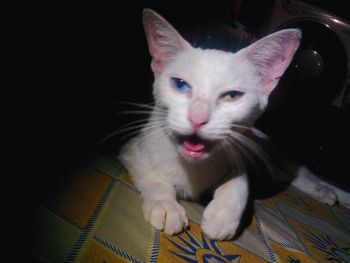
x=311, y=104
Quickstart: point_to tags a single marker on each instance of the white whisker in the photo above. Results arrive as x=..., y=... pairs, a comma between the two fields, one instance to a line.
x=233, y=155
x=148, y=126
x=253, y=148
x=156, y=116
x=139, y=112
x=150, y=106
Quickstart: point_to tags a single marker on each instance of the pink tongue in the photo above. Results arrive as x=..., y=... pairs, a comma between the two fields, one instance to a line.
x=193, y=150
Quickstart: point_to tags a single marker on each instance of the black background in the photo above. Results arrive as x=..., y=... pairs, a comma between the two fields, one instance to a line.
x=66, y=62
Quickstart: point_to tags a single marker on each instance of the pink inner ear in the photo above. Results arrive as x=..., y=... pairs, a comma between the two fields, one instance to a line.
x=279, y=63
x=164, y=42
x=157, y=66
x=274, y=74
x=157, y=63
x=282, y=62
x=156, y=49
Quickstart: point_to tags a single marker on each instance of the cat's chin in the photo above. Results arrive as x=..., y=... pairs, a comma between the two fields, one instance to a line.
x=193, y=147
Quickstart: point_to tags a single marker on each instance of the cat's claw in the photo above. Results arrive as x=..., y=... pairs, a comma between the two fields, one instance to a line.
x=219, y=221
x=167, y=215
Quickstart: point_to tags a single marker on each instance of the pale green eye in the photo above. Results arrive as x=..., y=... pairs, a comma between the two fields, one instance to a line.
x=231, y=95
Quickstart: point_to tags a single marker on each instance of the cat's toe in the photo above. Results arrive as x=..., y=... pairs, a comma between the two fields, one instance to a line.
x=219, y=222
x=165, y=215
x=157, y=217
x=326, y=195
x=218, y=232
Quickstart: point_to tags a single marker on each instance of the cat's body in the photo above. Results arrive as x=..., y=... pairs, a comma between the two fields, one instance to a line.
x=200, y=130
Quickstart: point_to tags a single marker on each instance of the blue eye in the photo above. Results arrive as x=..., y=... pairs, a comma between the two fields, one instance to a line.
x=180, y=85
x=231, y=95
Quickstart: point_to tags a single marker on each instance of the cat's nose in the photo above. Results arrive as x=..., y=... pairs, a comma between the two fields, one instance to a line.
x=199, y=114
x=196, y=125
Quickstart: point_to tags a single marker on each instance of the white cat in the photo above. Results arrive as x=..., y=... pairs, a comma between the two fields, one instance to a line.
x=206, y=103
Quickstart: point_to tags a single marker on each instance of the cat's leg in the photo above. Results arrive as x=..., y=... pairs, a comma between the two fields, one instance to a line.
x=160, y=206
x=326, y=193
x=223, y=214
x=288, y=170
x=310, y=184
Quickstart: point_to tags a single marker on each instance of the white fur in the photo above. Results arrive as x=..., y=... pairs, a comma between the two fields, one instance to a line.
x=152, y=158
x=223, y=214
x=209, y=72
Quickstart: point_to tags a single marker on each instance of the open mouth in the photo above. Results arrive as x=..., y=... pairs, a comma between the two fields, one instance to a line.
x=194, y=147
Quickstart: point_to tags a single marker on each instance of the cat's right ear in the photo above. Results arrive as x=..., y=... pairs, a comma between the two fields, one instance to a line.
x=164, y=42
x=270, y=56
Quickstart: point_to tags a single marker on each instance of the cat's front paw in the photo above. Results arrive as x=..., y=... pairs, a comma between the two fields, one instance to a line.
x=326, y=195
x=167, y=215
x=220, y=221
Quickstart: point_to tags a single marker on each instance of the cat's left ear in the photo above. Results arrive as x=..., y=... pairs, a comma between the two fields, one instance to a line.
x=271, y=56
x=164, y=42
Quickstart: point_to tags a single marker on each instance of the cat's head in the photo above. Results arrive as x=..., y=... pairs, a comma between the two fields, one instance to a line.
x=207, y=93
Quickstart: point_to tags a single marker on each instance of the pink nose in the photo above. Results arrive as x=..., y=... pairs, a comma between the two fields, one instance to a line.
x=198, y=123
x=199, y=114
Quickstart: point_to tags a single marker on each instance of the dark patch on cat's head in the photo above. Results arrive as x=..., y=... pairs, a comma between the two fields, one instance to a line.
x=218, y=36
